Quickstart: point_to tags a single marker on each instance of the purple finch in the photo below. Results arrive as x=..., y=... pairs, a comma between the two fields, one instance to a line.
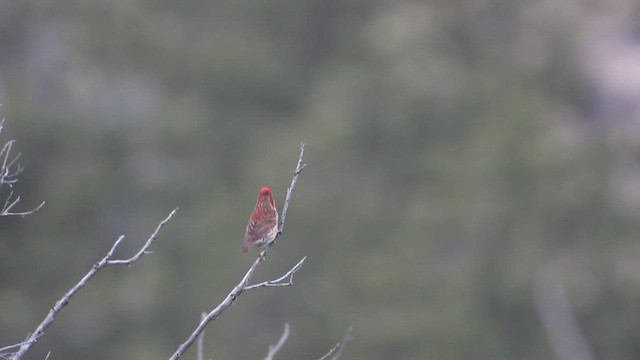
x=262, y=227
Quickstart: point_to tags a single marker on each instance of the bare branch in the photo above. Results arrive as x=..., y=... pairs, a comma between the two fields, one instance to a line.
x=7, y=162
x=343, y=343
x=14, y=345
x=273, y=349
x=243, y=284
x=143, y=250
x=104, y=262
x=228, y=301
x=336, y=351
x=278, y=282
x=6, y=210
x=8, y=203
x=334, y=348
x=9, y=171
x=200, y=341
x=215, y=313
x=299, y=167
x=558, y=320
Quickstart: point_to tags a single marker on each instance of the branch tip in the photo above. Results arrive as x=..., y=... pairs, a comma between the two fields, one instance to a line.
x=336, y=351
x=273, y=349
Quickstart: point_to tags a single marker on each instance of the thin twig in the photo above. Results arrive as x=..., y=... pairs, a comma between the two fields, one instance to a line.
x=12, y=346
x=9, y=171
x=273, y=349
x=6, y=211
x=145, y=249
x=299, y=167
x=7, y=176
x=104, y=262
x=9, y=203
x=6, y=150
x=326, y=356
x=7, y=164
x=243, y=284
x=336, y=351
x=343, y=343
x=278, y=282
x=557, y=316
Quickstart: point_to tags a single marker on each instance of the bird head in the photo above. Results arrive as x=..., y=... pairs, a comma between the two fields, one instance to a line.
x=265, y=197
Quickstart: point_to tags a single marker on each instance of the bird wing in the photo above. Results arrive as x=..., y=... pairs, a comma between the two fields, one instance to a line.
x=257, y=230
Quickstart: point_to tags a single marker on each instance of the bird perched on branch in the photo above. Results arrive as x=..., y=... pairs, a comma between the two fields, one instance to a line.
x=262, y=227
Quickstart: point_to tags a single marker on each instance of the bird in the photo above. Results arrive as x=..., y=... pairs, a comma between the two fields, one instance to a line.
x=262, y=228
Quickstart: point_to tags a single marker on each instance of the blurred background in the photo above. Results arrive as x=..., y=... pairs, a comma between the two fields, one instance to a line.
x=472, y=189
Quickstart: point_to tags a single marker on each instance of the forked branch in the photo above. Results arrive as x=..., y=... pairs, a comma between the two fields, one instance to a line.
x=104, y=262
x=279, y=281
x=336, y=351
x=273, y=349
x=9, y=171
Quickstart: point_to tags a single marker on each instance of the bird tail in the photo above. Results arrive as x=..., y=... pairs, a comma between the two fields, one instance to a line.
x=245, y=246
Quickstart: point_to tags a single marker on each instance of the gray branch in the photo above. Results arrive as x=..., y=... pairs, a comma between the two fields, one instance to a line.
x=336, y=351
x=278, y=282
x=60, y=304
x=244, y=283
x=10, y=347
x=200, y=342
x=9, y=171
x=9, y=204
x=557, y=316
x=228, y=301
x=299, y=167
x=273, y=349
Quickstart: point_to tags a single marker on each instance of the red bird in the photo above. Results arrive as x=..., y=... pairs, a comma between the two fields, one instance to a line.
x=262, y=227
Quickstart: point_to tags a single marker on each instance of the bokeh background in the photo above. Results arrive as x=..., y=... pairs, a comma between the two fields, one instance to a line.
x=473, y=168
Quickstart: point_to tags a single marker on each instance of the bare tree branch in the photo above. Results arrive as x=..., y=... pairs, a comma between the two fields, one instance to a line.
x=343, y=343
x=200, y=341
x=9, y=171
x=10, y=347
x=7, y=174
x=243, y=284
x=273, y=349
x=558, y=320
x=228, y=301
x=104, y=262
x=278, y=282
x=334, y=348
x=6, y=209
x=336, y=351
x=299, y=167
x=143, y=250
